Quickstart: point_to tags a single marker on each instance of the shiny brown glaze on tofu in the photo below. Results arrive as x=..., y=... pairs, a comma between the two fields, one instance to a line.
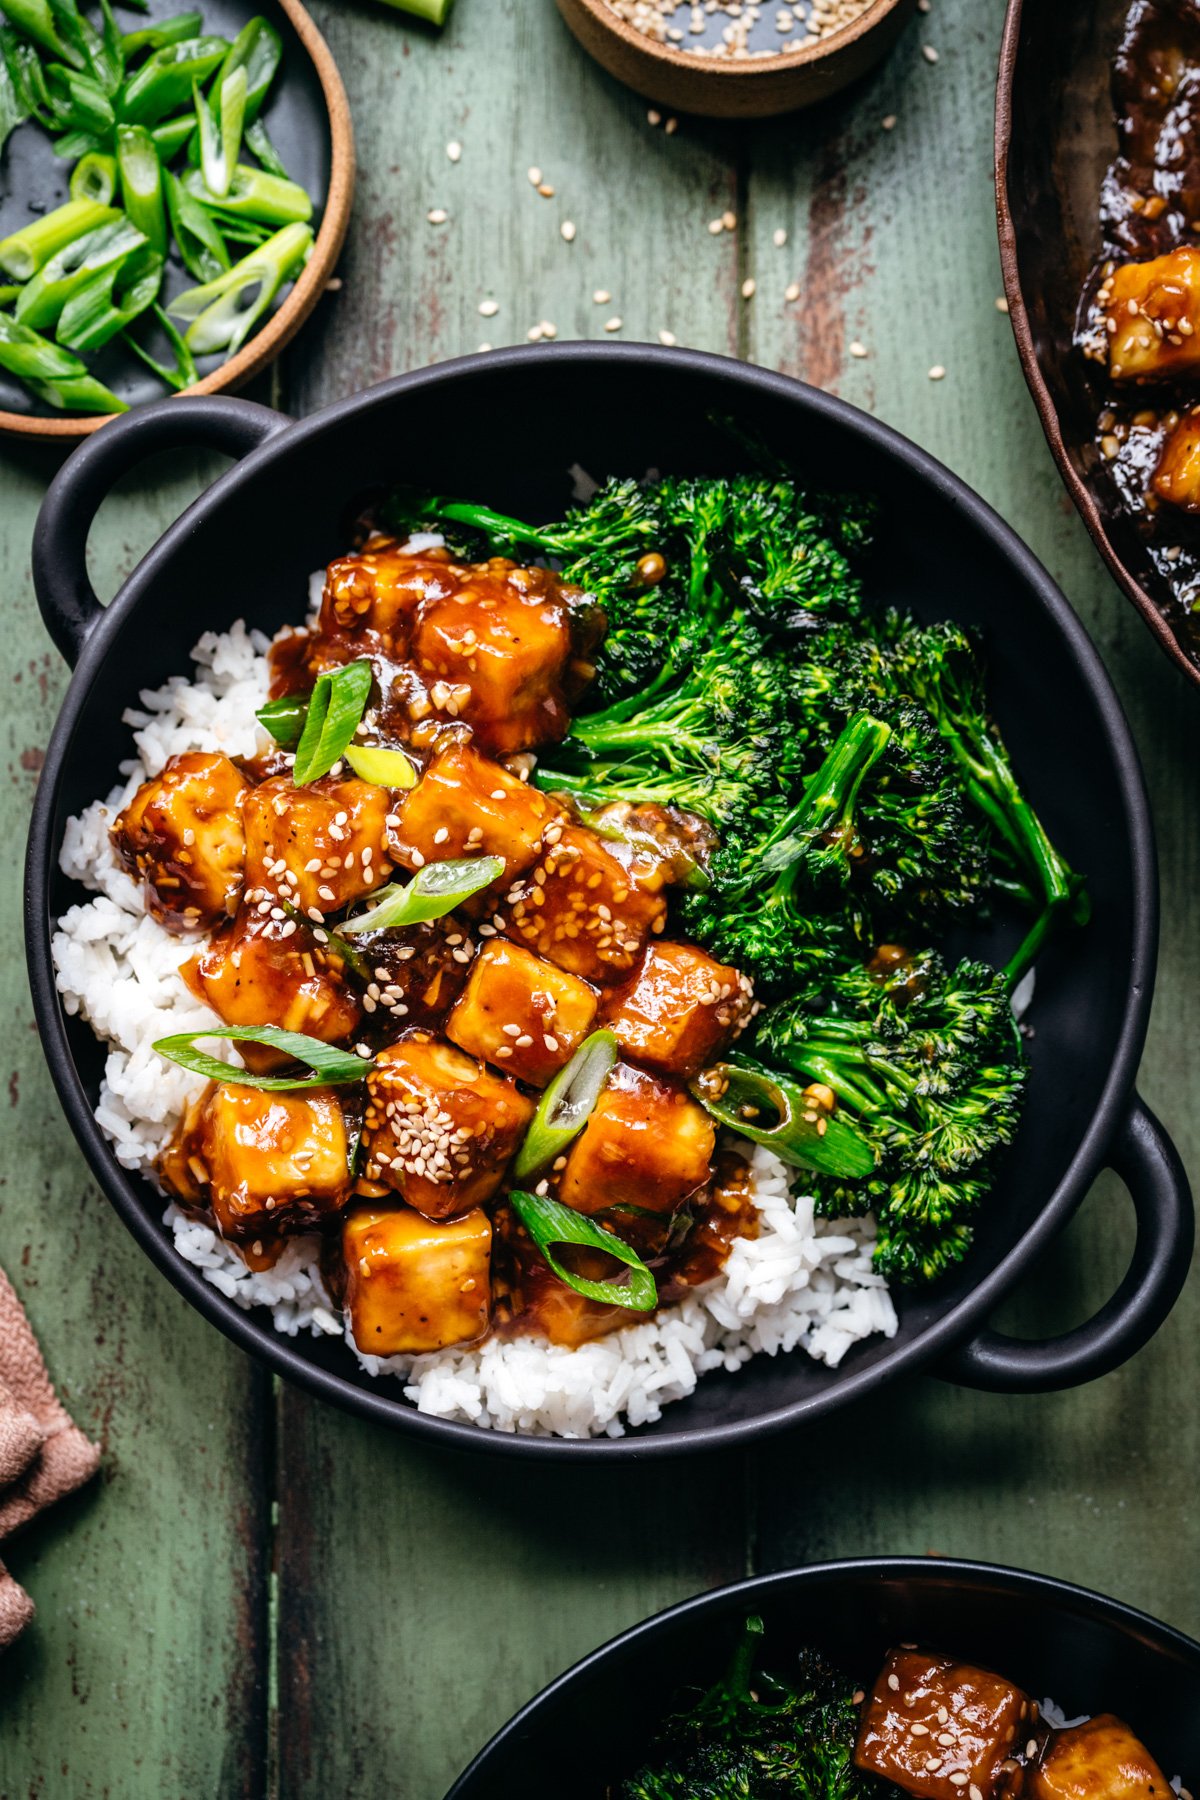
x=412, y=1284
x=1177, y=477
x=266, y=1164
x=521, y=1013
x=251, y=973
x=183, y=838
x=318, y=847
x=496, y=652
x=467, y=805
x=1153, y=317
x=1099, y=1760
x=414, y=976
x=647, y=1144
x=380, y=589
x=584, y=908
x=944, y=1730
x=680, y=1010
x=440, y=1128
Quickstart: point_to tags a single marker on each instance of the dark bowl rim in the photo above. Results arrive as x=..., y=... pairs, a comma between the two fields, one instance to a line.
x=937, y=1339
x=1085, y=501
x=1048, y=1589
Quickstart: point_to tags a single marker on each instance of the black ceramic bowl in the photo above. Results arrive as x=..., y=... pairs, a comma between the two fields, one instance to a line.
x=507, y=427
x=1058, y=1642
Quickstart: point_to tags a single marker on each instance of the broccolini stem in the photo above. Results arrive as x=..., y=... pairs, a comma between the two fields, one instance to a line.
x=1031, y=945
x=826, y=808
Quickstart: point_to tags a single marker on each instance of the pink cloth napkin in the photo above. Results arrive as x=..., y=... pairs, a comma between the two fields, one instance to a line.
x=42, y=1454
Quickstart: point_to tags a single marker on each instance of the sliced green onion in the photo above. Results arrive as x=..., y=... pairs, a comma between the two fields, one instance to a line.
x=83, y=394
x=15, y=105
x=739, y=1094
x=182, y=373
x=225, y=311
x=256, y=50
x=74, y=144
x=201, y=245
x=221, y=134
x=109, y=66
x=171, y=135
x=335, y=709
x=435, y=11
x=28, y=250
x=253, y=194
x=354, y=959
x=386, y=768
x=567, y=1104
x=43, y=298
x=100, y=308
x=432, y=893
x=31, y=357
x=259, y=140
x=331, y=1067
x=36, y=20
x=284, y=718
x=95, y=178
x=241, y=231
x=176, y=30
x=142, y=184
x=8, y=294
x=550, y=1222
x=28, y=78
x=165, y=80
x=80, y=104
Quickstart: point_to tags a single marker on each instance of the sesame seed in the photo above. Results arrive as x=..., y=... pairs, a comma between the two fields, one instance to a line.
x=454, y=150
x=894, y=1683
x=929, y=53
x=715, y=227
x=937, y=373
x=668, y=338
x=888, y=122
x=729, y=221
x=535, y=334
x=792, y=291
x=779, y=237
x=567, y=231
x=601, y=297
x=958, y=1778
x=551, y=1043
x=974, y=1793
x=535, y=176
x=749, y=288
x=613, y=324
x=437, y=215
x=545, y=190
x=653, y=118
x=671, y=127
x=857, y=349
x=417, y=860
x=489, y=308
x=1001, y=303
x=918, y=1730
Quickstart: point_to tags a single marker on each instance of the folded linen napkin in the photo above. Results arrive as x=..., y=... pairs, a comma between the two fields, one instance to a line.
x=43, y=1455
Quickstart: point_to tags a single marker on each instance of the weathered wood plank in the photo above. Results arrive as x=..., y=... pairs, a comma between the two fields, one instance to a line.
x=145, y=1669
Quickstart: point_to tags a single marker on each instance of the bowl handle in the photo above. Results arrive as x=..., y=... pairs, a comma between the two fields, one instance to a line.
x=1148, y=1163
x=68, y=603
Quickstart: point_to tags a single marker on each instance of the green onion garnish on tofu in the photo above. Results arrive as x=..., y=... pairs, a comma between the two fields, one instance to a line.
x=284, y=718
x=769, y=1109
x=335, y=710
x=432, y=893
x=386, y=768
x=330, y=1066
x=567, y=1104
x=549, y=1222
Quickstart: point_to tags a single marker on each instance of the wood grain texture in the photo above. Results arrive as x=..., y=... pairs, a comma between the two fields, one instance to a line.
x=417, y=1599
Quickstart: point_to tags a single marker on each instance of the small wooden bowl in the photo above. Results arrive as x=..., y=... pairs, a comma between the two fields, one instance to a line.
x=757, y=87
x=283, y=324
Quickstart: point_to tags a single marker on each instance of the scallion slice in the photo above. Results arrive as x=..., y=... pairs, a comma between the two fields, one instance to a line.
x=36, y=19
x=284, y=718
x=435, y=11
x=252, y=194
x=567, y=1104
x=42, y=299
x=257, y=50
x=770, y=1109
x=83, y=393
x=220, y=121
x=94, y=178
x=259, y=140
x=386, y=768
x=200, y=244
x=183, y=373
x=175, y=30
x=31, y=357
x=165, y=80
x=433, y=892
x=549, y=1222
x=335, y=710
x=225, y=311
x=142, y=184
x=109, y=301
x=27, y=251
x=330, y=1066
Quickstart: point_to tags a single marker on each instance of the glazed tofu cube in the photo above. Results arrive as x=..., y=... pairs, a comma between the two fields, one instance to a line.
x=268, y=1164
x=183, y=837
x=583, y=908
x=1177, y=477
x=251, y=974
x=521, y=1013
x=494, y=653
x=420, y=971
x=380, y=589
x=647, y=1144
x=680, y=1010
x=942, y=1729
x=412, y=1285
x=440, y=1129
x=1100, y=1760
x=1153, y=317
x=467, y=805
x=318, y=847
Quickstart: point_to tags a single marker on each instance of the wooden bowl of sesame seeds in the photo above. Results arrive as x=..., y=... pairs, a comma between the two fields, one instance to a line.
x=749, y=59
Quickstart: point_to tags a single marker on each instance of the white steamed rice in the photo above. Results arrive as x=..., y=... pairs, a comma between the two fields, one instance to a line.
x=801, y=1283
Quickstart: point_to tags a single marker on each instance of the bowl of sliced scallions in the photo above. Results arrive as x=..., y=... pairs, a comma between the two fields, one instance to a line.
x=176, y=190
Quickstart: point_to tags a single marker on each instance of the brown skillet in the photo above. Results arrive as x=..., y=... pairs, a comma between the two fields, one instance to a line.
x=1055, y=137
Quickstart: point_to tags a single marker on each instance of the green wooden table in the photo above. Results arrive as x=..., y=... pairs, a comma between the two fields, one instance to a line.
x=261, y=1597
